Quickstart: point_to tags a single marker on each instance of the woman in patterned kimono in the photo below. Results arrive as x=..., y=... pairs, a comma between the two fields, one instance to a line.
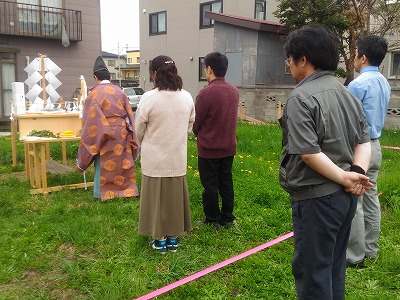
x=108, y=138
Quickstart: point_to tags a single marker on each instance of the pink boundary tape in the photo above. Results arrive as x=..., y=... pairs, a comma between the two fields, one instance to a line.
x=214, y=268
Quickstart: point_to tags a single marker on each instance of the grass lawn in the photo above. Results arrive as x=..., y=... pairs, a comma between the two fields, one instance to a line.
x=69, y=246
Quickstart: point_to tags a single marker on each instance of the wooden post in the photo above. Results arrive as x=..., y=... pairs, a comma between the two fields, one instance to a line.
x=29, y=166
x=43, y=183
x=61, y=102
x=279, y=109
x=36, y=165
x=64, y=152
x=14, y=141
x=240, y=111
x=82, y=79
x=44, y=94
x=13, y=135
x=83, y=94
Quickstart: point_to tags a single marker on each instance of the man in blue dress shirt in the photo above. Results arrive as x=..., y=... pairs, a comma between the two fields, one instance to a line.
x=373, y=90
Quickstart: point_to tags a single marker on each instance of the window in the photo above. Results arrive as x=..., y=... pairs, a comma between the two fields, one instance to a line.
x=129, y=60
x=40, y=17
x=138, y=60
x=7, y=77
x=260, y=10
x=215, y=6
x=113, y=75
x=395, y=64
x=158, y=23
x=202, y=69
x=111, y=63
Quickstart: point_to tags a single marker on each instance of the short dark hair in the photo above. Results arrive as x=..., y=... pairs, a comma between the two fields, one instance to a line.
x=217, y=62
x=167, y=77
x=317, y=43
x=103, y=75
x=374, y=48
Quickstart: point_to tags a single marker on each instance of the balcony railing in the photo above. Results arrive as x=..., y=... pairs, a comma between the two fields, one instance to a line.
x=40, y=21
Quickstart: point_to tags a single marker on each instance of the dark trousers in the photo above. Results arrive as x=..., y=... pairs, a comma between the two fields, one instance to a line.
x=321, y=233
x=216, y=178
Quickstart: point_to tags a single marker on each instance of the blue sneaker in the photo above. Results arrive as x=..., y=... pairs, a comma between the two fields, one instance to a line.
x=172, y=244
x=159, y=245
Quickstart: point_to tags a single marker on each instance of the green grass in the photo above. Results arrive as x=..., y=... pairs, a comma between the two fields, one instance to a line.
x=69, y=246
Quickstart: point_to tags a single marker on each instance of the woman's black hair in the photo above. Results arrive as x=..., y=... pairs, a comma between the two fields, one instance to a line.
x=166, y=73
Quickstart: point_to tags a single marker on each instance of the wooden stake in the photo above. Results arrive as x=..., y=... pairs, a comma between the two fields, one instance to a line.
x=44, y=95
x=279, y=109
x=13, y=135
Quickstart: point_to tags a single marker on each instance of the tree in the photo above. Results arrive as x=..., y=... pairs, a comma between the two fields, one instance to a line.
x=348, y=19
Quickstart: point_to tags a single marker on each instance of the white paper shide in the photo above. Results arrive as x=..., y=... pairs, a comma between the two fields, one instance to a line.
x=42, y=84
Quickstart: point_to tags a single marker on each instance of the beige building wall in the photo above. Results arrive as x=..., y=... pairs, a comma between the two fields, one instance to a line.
x=184, y=41
x=246, y=8
x=112, y=64
x=133, y=59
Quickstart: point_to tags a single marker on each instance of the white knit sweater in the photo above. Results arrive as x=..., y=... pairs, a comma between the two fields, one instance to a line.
x=163, y=120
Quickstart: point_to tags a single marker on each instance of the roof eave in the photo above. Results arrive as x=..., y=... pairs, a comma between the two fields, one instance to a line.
x=255, y=24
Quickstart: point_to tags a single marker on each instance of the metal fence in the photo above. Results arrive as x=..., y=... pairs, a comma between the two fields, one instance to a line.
x=40, y=21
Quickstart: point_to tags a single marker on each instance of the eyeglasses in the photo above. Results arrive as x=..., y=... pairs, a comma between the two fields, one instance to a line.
x=287, y=61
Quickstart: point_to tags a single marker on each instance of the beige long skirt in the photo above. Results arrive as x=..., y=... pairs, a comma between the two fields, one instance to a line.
x=164, y=207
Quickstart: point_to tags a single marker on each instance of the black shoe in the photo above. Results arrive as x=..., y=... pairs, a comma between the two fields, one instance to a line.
x=216, y=224
x=226, y=224
x=359, y=265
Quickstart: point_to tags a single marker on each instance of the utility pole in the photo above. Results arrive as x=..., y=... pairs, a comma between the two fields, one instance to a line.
x=119, y=68
x=119, y=64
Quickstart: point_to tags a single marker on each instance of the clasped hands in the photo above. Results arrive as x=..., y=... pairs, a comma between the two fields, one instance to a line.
x=356, y=183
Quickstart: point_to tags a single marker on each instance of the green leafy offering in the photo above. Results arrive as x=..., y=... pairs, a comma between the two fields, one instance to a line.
x=42, y=133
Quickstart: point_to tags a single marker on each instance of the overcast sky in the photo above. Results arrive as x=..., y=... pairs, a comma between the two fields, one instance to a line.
x=119, y=23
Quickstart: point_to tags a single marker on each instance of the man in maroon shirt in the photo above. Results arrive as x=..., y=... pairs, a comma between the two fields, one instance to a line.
x=215, y=127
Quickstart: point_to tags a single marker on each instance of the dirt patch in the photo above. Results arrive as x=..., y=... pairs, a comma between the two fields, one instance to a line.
x=67, y=250
x=19, y=175
x=54, y=167
x=52, y=282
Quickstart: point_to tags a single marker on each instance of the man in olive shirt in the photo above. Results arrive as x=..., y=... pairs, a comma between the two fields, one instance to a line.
x=325, y=133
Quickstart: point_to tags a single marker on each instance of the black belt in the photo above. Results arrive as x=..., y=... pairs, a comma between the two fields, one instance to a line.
x=374, y=139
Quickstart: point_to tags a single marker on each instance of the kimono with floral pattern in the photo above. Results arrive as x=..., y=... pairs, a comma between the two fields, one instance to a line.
x=108, y=134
